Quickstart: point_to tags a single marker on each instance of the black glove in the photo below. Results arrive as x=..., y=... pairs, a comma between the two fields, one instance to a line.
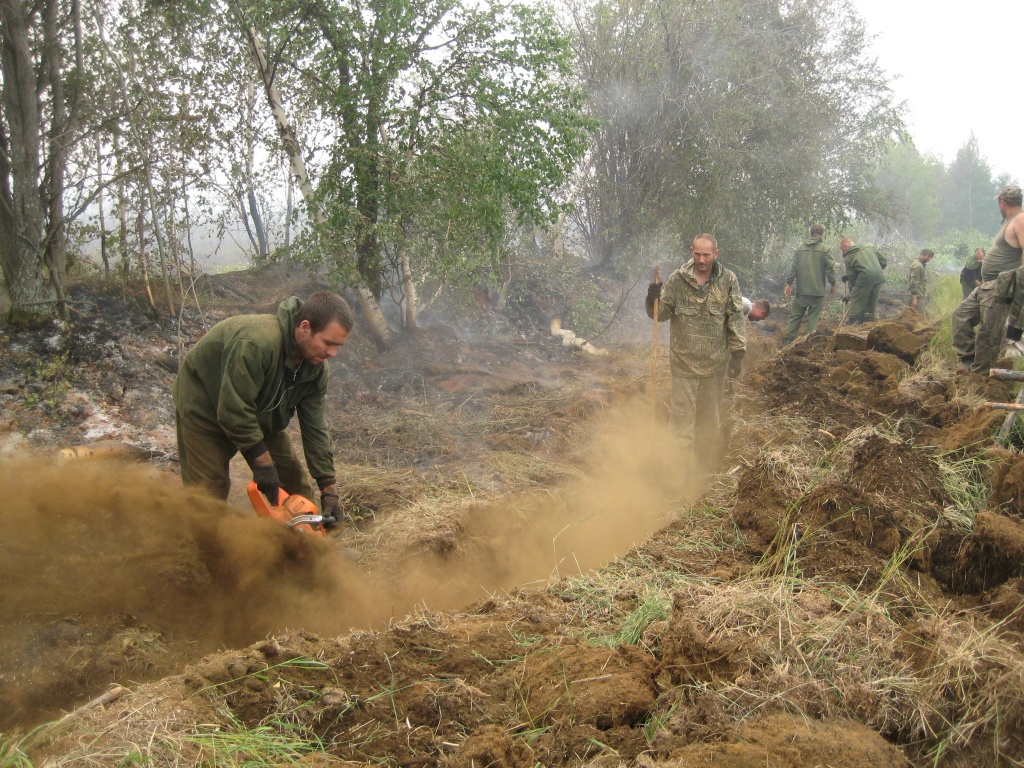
x=330, y=508
x=846, y=299
x=267, y=481
x=735, y=365
x=1014, y=334
x=653, y=291
x=845, y=278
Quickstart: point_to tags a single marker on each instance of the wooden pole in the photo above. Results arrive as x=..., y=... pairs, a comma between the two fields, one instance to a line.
x=1006, y=406
x=654, y=357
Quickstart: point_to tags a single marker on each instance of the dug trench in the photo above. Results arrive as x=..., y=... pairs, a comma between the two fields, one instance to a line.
x=537, y=579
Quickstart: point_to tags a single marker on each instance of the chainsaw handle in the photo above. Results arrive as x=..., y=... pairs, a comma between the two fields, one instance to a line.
x=287, y=510
x=259, y=501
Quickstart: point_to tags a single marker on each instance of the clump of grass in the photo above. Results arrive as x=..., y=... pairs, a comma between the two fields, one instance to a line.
x=234, y=745
x=963, y=479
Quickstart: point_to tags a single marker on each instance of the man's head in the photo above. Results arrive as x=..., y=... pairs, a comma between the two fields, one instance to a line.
x=322, y=325
x=845, y=244
x=817, y=230
x=926, y=255
x=979, y=254
x=759, y=310
x=1009, y=200
x=704, y=252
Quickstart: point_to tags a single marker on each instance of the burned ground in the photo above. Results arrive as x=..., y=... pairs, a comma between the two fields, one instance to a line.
x=535, y=578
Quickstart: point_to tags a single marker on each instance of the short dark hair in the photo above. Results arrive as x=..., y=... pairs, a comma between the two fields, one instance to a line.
x=321, y=308
x=817, y=230
x=709, y=238
x=927, y=252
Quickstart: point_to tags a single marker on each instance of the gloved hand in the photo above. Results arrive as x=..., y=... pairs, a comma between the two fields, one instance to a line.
x=846, y=299
x=267, y=481
x=845, y=278
x=735, y=365
x=330, y=508
x=653, y=291
x=1014, y=334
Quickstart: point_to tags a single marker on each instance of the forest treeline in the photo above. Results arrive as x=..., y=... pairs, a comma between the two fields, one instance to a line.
x=412, y=146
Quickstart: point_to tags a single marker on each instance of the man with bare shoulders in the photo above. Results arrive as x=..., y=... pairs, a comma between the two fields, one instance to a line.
x=978, y=323
x=707, y=338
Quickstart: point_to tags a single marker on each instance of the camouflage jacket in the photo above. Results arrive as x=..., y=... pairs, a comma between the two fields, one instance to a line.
x=864, y=265
x=917, y=279
x=812, y=268
x=707, y=322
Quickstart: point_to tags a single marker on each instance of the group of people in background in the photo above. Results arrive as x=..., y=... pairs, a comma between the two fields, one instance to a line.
x=708, y=312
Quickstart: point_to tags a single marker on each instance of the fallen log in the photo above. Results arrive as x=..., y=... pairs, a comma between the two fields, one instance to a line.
x=1005, y=374
x=1003, y=436
x=1005, y=406
x=570, y=339
x=109, y=697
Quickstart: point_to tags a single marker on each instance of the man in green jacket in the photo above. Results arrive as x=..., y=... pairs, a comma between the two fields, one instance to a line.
x=238, y=388
x=864, y=265
x=707, y=340
x=812, y=268
x=917, y=281
x=970, y=275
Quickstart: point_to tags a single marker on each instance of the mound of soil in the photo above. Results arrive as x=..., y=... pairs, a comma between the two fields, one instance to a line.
x=494, y=473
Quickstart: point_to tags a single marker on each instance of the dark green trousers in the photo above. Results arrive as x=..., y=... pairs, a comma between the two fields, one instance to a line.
x=205, y=461
x=864, y=303
x=803, y=306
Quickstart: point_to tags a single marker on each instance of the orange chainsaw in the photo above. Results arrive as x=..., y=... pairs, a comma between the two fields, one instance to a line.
x=294, y=512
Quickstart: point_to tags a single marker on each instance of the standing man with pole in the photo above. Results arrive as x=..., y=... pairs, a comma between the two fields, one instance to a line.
x=652, y=295
x=812, y=268
x=707, y=340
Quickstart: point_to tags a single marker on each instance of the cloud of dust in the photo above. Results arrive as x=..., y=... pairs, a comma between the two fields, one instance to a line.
x=95, y=539
x=635, y=479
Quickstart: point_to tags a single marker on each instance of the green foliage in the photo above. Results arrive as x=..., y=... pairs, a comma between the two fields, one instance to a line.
x=969, y=193
x=48, y=381
x=546, y=282
x=914, y=183
x=452, y=120
x=743, y=119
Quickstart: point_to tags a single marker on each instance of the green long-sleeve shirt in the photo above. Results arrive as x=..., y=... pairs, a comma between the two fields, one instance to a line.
x=864, y=265
x=239, y=381
x=812, y=268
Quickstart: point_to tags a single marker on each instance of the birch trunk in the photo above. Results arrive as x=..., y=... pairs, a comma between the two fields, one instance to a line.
x=379, y=330
x=410, y=288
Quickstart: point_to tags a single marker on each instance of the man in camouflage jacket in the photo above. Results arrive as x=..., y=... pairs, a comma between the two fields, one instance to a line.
x=917, y=281
x=707, y=340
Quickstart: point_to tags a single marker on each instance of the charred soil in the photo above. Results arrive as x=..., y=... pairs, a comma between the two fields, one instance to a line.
x=530, y=575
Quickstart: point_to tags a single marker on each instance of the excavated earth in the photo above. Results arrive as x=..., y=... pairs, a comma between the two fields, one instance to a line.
x=515, y=511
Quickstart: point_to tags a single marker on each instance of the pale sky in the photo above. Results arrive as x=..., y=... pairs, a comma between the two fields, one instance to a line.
x=959, y=68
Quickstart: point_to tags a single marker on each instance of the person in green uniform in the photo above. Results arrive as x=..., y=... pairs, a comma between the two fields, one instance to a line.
x=979, y=321
x=812, y=268
x=917, y=281
x=864, y=265
x=238, y=388
x=970, y=275
x=707, y=341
